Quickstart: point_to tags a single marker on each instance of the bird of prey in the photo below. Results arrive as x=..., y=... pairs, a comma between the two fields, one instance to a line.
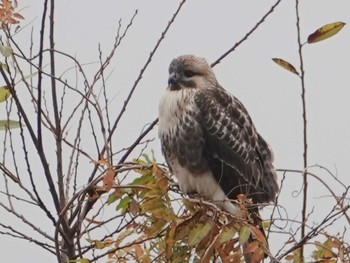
x=209, y=140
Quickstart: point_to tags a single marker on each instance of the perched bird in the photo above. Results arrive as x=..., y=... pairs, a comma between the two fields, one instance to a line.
x=209, y=140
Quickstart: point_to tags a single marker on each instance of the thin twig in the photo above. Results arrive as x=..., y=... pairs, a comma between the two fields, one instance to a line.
x=303, y=98
x=247, y=35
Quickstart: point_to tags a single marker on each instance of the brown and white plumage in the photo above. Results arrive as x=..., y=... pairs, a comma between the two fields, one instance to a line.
x=209, y=141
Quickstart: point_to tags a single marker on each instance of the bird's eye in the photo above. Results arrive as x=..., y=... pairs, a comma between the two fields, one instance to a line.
x=189, y=73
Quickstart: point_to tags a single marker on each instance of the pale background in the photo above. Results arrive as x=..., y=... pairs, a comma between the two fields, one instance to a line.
x=270, y=93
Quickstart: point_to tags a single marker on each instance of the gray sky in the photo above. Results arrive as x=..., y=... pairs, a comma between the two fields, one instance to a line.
x=208, y=28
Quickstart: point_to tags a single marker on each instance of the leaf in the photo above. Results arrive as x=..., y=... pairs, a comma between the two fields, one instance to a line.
x=112, y=198
x=199, y=232
x=244, y=234
x=6, y=51
x=289, y=257
x=266, y=224
x=227, y=234
x=19, y=16
x=124, y=204
x=4, y=93
x=81, y=260
x=258, y=235
x=96, y=222
x=99, y=244
x=30, y=76
x=325, y=32
x=134, y=207
x=138, y=251
x=101, y=161
x=108, y=179
x=286, y=65
x=256, y=252
x=9, y=124
x=4, y=66
x=183, y=229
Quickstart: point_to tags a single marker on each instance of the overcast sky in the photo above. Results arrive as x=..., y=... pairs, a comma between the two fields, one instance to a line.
x=209, y=28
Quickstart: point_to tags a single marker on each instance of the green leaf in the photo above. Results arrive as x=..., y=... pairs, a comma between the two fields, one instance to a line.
x=143, y=180
x=199, y=231
x=325, y=32
x=124, y=204
x=147, y=159
x=4, y=93
x=6, y=51
x=9, y=124
x=4, y=66
x=112, y=198
x=244, y=234
x=30, y=76
x=266, y=224
x=227, y=234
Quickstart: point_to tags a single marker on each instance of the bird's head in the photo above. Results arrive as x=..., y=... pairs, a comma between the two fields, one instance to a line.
x=189, y=71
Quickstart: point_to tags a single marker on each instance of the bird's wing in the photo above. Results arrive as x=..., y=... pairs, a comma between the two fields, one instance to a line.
x=229, y=133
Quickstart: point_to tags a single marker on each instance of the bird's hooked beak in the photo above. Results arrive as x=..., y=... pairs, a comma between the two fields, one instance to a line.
x=174, y=78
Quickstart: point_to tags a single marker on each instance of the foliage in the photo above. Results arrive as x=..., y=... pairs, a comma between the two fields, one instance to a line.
x=165, y=229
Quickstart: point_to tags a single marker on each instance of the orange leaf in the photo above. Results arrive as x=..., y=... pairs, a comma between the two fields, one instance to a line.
x=108, y=180
x=134, y=207
x=138, y=251
x=19, y=16
x=325, y=32
x=257, y=254
x=94, y=221
x=286, y=65
x=12, y=21
x=102, y=161
x=258, y=234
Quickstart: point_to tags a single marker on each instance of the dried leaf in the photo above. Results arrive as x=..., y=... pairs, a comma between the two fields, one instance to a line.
x=108, y=180
x=81, y=260
x=251, y=247
x=325, y=32
x=286, y=65
x=19, y=16
x=134, y=207
x=94, y=221
x=289, y=257
x=138, y=251
x=258, y=235
x=99, y=244
x=258, y=256
x=101, y=161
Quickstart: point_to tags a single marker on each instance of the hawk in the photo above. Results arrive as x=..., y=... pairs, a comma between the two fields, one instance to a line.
x=209, y=140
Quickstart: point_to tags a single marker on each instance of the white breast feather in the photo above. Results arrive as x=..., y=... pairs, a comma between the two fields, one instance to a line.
x=171, y=106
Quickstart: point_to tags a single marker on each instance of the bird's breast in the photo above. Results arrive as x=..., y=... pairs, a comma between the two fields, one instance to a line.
x=172, y=107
